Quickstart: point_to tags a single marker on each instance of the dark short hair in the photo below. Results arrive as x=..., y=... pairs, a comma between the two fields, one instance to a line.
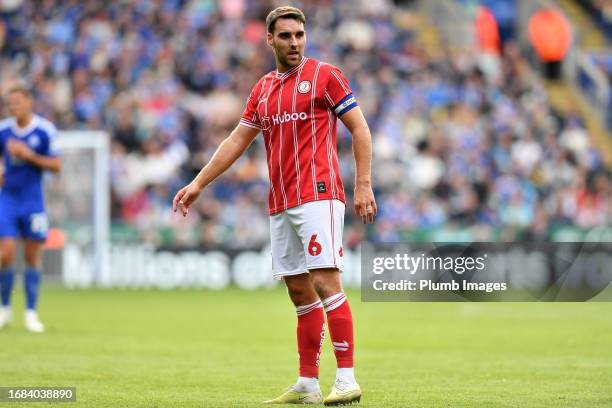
x=284, y=12
x=19, y=87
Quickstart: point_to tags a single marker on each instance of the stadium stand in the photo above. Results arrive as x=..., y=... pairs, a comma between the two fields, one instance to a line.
x=461, y=151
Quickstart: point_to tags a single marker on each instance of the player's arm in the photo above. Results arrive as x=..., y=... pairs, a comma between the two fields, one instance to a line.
x=53, y=164
x=23, y=152
x=365, y=204
x=225, y=155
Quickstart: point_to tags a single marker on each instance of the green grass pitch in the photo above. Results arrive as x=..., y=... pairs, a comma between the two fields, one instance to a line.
x=237, y=348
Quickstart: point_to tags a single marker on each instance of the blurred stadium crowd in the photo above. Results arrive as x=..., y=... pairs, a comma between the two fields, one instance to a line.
x=462, y=149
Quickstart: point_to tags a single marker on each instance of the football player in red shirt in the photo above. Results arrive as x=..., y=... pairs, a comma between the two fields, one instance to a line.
x=296, y=109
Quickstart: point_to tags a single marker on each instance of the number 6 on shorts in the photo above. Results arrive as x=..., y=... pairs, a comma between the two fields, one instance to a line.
x=314, y=248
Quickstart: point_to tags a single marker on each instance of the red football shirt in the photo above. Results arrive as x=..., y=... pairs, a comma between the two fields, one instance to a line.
x=297, y=112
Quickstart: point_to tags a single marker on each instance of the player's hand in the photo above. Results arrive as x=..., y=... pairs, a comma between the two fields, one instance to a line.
x=365, y=204
x=185, y=197
x=19, y=149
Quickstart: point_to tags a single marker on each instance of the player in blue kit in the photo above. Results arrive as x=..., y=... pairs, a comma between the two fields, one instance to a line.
x=26, y=144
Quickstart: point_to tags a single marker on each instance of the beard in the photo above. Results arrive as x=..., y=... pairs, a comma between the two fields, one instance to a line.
x=288, y=60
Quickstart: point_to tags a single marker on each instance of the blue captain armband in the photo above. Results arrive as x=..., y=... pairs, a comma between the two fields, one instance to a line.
x=346, y=104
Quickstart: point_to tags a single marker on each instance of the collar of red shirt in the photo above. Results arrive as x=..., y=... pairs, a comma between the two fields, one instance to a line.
x=282, y=75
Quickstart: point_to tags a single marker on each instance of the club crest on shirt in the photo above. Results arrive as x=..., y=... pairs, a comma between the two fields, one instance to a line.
x=34, y=141
x=304, y=87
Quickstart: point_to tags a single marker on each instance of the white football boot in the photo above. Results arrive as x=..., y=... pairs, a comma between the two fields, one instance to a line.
x=343, y=393
x=32, y=322
x=6, y=316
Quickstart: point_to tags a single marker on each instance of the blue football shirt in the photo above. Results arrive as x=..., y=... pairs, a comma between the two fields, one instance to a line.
x=23, y=180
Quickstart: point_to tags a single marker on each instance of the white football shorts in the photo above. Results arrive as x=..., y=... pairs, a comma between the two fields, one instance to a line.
x=306, y=237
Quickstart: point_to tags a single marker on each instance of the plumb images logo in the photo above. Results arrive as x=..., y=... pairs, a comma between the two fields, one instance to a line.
x=486, y=271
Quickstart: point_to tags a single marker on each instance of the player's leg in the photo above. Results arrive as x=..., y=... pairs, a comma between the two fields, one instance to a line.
x=288, y=264
x=340, y=323
x=31, y=283
x=33, y=225
x=7, y=269
x=321, y=229
x=8, y=233
x=310, y=329
x=7, y=278
x=339, y=318
x=31, y=278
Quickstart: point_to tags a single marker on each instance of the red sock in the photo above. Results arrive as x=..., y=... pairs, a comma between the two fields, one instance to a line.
x=340, y=323
x=310, y=335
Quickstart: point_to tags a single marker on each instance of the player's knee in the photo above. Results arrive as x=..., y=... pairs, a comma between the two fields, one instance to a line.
x=33, y=254
x=325, y=290
x=33, y=261
x=298, y=294
x=7, y=255
x=326, y=283
x=300, y=290
x=7, y=260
